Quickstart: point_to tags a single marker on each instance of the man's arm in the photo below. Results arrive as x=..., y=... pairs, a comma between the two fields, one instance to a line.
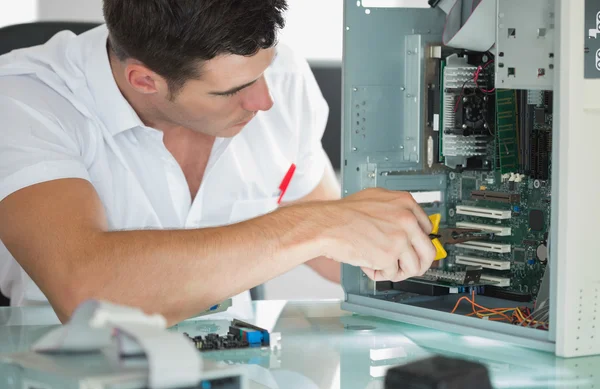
x=328, y=189
x=58, y=233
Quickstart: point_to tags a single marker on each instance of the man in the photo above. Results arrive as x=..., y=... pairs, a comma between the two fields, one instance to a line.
x=140, y=164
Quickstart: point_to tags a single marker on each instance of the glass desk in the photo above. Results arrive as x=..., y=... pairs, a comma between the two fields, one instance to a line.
x=324, y=347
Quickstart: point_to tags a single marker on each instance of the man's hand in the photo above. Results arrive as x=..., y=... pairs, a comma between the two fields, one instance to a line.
x=384, y=232
x=328, y=189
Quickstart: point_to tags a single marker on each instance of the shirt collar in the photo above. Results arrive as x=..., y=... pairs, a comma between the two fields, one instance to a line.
x=112, y=107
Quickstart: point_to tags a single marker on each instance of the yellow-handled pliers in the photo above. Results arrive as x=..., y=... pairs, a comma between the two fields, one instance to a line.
x=445, y=236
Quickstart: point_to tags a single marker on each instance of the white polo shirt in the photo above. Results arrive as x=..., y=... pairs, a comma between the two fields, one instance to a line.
x=63, y=116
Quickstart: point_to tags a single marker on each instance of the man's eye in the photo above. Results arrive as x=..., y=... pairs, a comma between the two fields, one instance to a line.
x=231, y=94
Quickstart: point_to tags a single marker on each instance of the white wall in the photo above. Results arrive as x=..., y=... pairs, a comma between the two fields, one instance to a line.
x=314, y=27
x=20, y=11
x=75, y=10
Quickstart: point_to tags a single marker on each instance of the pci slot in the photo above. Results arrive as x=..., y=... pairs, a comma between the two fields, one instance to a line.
x=483, y=212
x=498, y=281
x=485, y=263
x=497, y=230
x=488, y=247
x=499, y=197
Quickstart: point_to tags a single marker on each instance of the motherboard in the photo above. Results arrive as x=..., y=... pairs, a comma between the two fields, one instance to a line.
x=494, y=146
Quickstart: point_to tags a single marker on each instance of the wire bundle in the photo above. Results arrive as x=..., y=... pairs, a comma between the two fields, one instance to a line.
x=518, y=316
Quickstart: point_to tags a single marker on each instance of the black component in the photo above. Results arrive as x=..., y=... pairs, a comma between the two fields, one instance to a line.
x=525, y=119
x=536, y=220
x=511, y=185
x=501, y=293
x=473, y=275
x=548, y=101
x=527, y=138
x=529, y=242
x=472, y=113
x=433, y=100
x=540, y=116
x=216, y=342
x=519, y=256
x=434, y=3
x=384, y=285
x=422, y=289
x=222, y=383
x=434, y=107
x=439, y=373
x=478, y=163
x=232, y=340
x=495, y=196
x=541, y=149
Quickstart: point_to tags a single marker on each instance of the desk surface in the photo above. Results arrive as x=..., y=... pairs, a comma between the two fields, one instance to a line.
x=325, y=347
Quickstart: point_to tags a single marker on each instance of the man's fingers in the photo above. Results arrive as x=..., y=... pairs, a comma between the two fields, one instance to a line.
x=380, y=275
x=409, y=263
x=422, y=218
x=425, y=251
x=390, y=273
x=371, y=273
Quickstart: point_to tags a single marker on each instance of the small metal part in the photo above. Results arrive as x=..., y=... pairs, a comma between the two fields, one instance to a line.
x=542, y=253
x=430, y=152
x=459, y=235
x=537, y=184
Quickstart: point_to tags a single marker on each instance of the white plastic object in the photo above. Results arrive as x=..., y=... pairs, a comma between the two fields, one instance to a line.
x=173, y=360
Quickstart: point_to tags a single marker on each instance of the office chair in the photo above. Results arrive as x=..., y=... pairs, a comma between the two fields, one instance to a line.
x=19, y=36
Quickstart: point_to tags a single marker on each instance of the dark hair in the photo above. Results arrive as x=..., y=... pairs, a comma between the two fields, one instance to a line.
x=172, y=37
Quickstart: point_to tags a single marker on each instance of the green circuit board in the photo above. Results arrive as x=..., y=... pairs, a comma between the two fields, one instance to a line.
x=518, y=150
x=531, y=204
x=518, y=185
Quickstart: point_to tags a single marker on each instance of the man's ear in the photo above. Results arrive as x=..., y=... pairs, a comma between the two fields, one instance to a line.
x=144, y=80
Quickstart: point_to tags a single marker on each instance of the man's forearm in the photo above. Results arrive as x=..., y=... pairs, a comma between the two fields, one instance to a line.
x=181, y=273
x=327, y=268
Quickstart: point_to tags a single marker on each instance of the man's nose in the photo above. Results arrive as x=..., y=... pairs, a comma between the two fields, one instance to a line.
x=258, y=97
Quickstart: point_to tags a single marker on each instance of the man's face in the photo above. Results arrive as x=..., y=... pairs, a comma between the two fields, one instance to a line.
x=231, y=90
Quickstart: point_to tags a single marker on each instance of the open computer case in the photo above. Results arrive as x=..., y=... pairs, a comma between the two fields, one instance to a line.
x=488, y=112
